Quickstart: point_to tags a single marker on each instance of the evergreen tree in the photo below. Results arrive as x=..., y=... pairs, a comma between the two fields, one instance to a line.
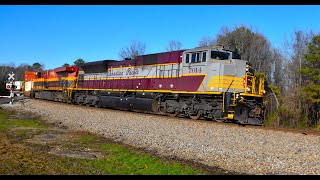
x=311, y=71
x=78, y=62
x=37, y=67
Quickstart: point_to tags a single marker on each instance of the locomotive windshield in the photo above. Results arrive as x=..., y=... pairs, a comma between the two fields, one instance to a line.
x=236, y=55
x=219, y=55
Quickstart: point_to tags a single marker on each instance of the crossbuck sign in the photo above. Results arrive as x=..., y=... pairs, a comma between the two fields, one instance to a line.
x=11, y=78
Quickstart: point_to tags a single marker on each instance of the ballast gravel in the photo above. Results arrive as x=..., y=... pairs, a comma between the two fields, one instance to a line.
x=230, y=147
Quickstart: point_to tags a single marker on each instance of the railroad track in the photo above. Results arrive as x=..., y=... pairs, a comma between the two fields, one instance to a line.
x=282, y=129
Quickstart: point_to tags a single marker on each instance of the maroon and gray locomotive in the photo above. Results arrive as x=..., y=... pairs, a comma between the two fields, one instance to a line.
x=202, y=83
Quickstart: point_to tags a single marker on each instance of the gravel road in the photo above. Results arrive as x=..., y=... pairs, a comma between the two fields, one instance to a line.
x=234, y=148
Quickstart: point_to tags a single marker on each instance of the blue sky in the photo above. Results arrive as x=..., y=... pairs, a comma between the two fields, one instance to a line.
x=58, y=34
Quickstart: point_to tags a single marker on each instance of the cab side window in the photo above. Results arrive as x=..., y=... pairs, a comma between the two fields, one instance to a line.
x=187, y=58
x=204, y=56
x=198, y=57
x=193, y=57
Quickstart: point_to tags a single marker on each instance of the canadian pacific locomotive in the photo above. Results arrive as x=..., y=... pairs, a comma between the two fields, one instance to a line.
x=202, y=83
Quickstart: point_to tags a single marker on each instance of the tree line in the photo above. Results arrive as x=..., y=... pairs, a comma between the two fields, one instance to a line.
x=292, y=71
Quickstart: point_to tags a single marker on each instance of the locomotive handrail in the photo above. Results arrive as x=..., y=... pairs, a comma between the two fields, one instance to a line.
x=261, y=85
x=224, y=93
x=252, y=87
x=150, y=71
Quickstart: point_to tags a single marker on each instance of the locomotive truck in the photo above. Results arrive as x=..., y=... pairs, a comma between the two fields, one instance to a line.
x=202, y=83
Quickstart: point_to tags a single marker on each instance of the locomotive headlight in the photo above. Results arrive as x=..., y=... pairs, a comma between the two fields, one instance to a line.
x=248, y=89
x=264, y=91
x=237, y=96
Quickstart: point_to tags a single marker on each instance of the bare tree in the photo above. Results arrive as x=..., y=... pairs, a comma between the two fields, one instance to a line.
x=278, y=76
x=174, y=45
x=286, y=62
x=206, y=41
x=300, y=42
x=286, y=70
x=19, y=71
x=252, y=46
x=136, y=48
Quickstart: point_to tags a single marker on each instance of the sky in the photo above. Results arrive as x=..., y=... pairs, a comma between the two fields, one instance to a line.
x=56, y=34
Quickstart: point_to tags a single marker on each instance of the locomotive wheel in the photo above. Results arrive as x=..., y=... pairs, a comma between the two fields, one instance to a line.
x=196, y=116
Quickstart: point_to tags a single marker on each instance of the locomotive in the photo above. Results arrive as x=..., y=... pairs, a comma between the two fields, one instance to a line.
x=209, y=82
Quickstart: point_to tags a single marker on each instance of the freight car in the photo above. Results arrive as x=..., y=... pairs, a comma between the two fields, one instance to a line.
x=202, y=83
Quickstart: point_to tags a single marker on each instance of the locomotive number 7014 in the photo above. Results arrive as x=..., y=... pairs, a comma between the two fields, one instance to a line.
x=195, y=70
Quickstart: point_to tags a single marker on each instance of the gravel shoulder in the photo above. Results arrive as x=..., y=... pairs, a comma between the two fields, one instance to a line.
x=234, y=148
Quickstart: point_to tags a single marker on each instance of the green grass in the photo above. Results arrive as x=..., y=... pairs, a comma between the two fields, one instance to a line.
x=6, y=123
x=20, y=157
x=87, y=138
x=317, y=127
x=4, y=114
x=120, y=160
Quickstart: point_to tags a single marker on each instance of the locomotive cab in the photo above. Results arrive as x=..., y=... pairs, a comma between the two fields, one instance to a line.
x=230, y=79
x=222, y=67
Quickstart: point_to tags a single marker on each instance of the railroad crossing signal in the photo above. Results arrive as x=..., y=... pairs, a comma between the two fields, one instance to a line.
x=11, y=78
